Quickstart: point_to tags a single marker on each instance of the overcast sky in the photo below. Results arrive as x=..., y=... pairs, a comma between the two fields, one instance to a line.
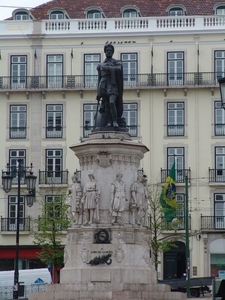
x=7, y=6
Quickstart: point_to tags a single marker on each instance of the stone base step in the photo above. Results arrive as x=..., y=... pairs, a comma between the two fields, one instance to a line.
x=65, y=292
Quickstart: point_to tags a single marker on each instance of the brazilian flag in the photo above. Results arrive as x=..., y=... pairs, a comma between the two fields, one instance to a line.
x=168, y=199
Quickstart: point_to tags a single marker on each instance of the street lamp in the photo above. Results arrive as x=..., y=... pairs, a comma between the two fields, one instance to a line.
x=30, y=180
x=222, y=90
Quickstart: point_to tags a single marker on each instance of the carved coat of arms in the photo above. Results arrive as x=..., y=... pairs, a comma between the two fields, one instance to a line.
x=104, y=159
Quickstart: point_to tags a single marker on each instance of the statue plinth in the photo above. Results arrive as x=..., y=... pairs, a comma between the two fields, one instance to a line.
x=106, y=260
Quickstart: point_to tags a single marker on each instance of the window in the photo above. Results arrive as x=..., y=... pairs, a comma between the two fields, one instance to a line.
x=91, y=62
x=57, y=15
x=175, y=119
x=53, y=205
x=220, y=10
x=54, y=166
x=14, y=155
x=54, y=121
x=177, y=155
x=53, y=213
x=219, y=64
x=94, y=14
x=180, y=210
x=12, y=213
x=54, y=71
x=220, y=164
x=219, y=211
x=18, y=120
x=21, y=16
x=129, y=61
x=130, y=115
x=175, y=68
x=89, y=118
x=219, y=118
x=176, y=11
x=130, y=13
x=18, y=71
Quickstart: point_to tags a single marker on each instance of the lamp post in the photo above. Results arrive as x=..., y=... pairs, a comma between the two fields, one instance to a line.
x=222, y=91
x=30, y=180
x=187, y=240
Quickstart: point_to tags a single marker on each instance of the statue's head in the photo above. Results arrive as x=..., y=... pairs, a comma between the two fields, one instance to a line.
x=91, y=175
x=110, y=46
x=119, y=176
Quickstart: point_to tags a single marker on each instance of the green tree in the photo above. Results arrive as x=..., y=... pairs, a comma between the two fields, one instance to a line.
x=51, y=223
x=158, y=224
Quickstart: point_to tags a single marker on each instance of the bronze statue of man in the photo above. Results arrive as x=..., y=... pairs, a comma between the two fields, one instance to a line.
x=110, y=87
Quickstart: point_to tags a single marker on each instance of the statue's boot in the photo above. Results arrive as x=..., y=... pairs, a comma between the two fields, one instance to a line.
x=114, y=115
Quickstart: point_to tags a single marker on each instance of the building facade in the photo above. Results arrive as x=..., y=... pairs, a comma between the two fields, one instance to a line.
x=172, y=58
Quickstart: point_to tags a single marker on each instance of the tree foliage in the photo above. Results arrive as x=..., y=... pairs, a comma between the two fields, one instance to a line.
x=51, y=223
x=158, y=225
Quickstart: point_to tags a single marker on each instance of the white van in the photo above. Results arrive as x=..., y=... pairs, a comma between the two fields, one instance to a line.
x=26, y=277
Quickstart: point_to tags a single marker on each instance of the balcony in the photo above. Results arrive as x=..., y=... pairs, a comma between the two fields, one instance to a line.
x=219, y=129
x=179, y=173
x=9, y=224
x=178, y=224
x=51, y=223
x=17, y=132
x=126, y=26
x=54, y=132
x=217, y=176
x=82, y=82
x=212, y=223
x=175, y=130
x=53, y=177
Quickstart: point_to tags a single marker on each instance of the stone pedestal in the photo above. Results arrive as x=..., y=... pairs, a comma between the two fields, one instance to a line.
x=127, y=273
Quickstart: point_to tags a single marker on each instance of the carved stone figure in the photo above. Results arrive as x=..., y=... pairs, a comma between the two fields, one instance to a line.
x=138, y=200
x=110, y=89
x=118, y=198
x=91, y=196
x=75, y=204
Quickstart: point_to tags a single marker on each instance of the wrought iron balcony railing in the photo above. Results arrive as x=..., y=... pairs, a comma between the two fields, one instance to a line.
x=180, y=175
x=212, y=222
x=217, y=175
x=53, y=177
x=54, y=132
x=219, y=129
x=150, y=80
x=50, y=224
x=176, y=224
x=175, y=130
x=9, y=224
x=17, y=132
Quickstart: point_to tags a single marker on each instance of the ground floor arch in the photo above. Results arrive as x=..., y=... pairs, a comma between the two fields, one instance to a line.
x=174, y=261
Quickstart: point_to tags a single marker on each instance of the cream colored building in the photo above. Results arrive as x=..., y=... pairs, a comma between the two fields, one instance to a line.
x=172, y=61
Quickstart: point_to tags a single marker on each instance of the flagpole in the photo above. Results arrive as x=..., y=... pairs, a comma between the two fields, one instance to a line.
x=187, y=240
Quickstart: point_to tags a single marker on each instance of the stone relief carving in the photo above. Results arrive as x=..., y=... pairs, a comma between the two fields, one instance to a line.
x=118, y=198
x=119, y=255
x=85, y=255
x=91, y=197
x=205, y=240
x=139, y=201
x=104, y=159
x=86, y=236
x=75, y=207
x=118, y=235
